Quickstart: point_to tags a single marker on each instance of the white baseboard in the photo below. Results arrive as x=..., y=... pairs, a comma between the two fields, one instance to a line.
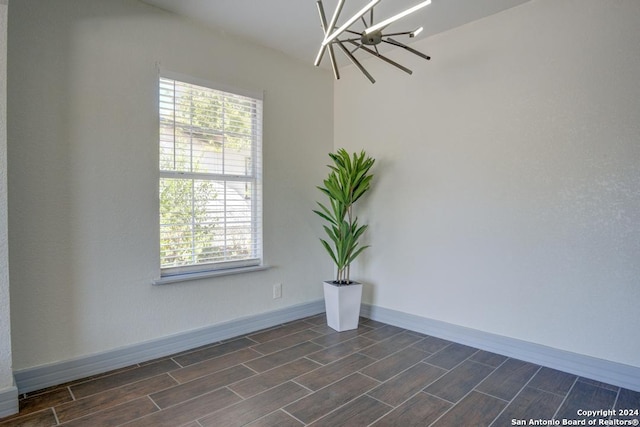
x=40, y=377
x=585, y=366
x=8, y=401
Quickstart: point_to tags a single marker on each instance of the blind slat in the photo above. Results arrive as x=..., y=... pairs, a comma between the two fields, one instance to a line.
x=210, y=178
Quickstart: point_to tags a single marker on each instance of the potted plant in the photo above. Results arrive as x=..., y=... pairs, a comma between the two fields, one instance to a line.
x=348, y=180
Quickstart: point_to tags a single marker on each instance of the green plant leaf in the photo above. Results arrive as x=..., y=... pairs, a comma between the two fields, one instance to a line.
x=326, y=214
x=357, y=253
x=329, y=250
x=348, y=180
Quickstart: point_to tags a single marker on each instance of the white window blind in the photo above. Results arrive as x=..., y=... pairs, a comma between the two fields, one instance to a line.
x=210, y=179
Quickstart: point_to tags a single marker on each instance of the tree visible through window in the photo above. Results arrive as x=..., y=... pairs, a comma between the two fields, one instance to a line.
x=210, y=178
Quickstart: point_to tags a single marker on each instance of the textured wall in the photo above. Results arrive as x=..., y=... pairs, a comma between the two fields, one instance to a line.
x=6, y=376
x=83, y=176
x=508, y=191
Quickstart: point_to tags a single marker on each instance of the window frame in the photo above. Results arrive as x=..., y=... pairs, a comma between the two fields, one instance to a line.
x=255, y=262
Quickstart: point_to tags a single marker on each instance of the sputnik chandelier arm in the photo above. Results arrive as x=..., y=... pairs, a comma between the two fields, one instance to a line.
x=366, y=39
x=350, y=21
x=327, y=28
x=382, y=25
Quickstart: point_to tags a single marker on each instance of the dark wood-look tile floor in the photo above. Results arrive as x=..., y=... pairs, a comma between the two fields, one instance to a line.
x=304, y=373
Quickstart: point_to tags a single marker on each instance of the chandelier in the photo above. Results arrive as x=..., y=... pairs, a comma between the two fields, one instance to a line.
x=366, y=40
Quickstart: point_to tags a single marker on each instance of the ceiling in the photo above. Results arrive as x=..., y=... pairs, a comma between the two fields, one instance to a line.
x=293, y=26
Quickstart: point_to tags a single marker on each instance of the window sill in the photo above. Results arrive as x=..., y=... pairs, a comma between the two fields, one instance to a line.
x=166, y=280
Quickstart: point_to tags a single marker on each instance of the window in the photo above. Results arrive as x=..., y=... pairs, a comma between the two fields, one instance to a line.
x=210, y=178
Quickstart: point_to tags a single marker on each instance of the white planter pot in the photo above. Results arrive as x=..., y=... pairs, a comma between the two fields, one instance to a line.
x=342, y=304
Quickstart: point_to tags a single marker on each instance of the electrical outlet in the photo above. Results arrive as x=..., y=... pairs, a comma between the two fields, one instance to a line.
x=277, y=291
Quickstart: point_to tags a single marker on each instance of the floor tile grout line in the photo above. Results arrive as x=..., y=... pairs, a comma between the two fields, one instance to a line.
x=251, y=369
x=121, y=371
x=393, y=336
x=213, y=358
x=229, y=385
x=306, y=356
x=210, y=346
x=266, y=415
x=291, y=415
x=194, y=398
x=507, y=402
x=483, y=364
x=615, y=402
x=321, y=365
x=264, y=391
x=138, y=380
x=342, y=342
x=250, y=339
x=400, y=373
x=515, y=395
x=393, y=408
x=390, y=355
x=258, y=394
x=270, y=328
x=366, y=376
x=305, y=373
x=72, y=383
x=384, y=339
x=455, y=404
x=275, y=328
x=173, y=359
x=490, y=395
x=342, y=405
x=73, y=397
x=197, y=420
x=55, y=416
x=195, y=350
x=18, y=417
x=446, y=400
x=436, y=366
x=242, y=399
x=93, y=413
x=172, y=377
x=342, y=378
x=492, y=372
x=495, y=368
x=406, y=347
x=366, y=394
x=51, y=408
x=547, y=391
x=597, y=383
x=303, y=386
x=211, y=390
x=454, y=367
x=292, y=345
x=575, y=381
x=423, y=388
x=153, y=401
x=443, y=348
x=114, y=389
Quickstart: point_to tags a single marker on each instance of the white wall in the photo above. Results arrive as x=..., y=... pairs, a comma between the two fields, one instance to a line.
x=83, y=171
x=6, y=375
x=508, y=178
